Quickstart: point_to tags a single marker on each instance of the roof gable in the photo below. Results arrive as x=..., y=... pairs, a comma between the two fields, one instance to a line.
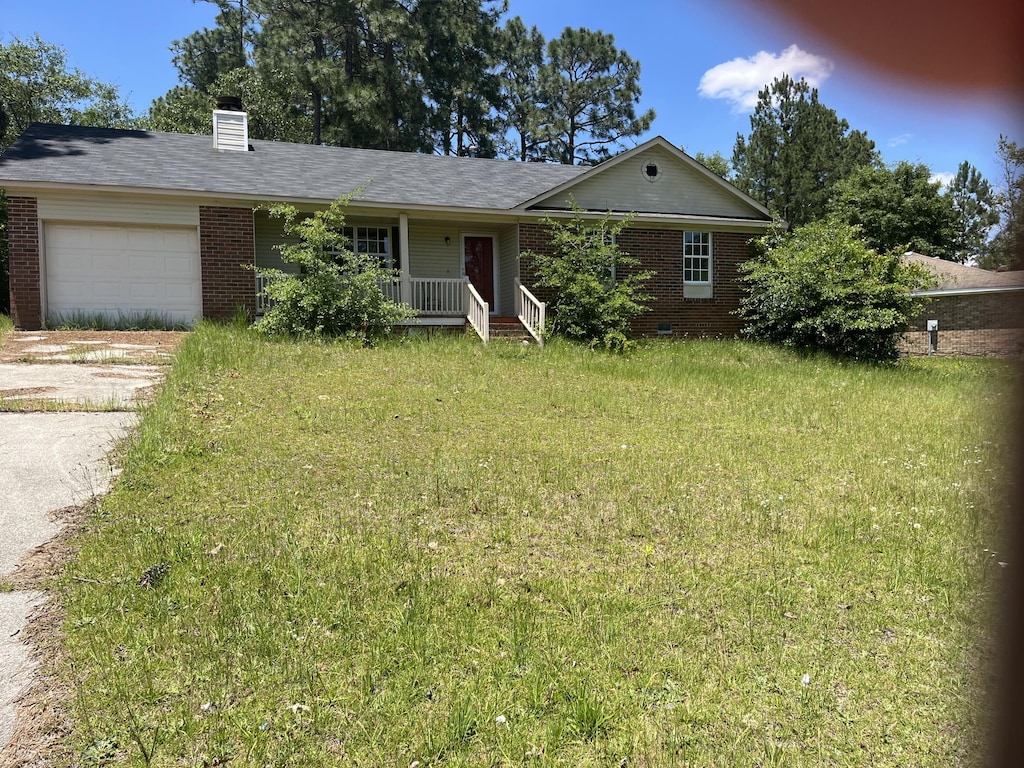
x=654, y=177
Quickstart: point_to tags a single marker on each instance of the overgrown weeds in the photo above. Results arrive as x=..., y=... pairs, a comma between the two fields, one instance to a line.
x=122, y=321
x=432, y=552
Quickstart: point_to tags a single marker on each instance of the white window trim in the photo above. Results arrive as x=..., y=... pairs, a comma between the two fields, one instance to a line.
x=699, y=289
x=610, y=239
x=352, y=234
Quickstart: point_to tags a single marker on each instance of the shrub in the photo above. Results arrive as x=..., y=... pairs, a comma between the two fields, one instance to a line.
x=596, y=288
x=821, y=288
x=337, y=292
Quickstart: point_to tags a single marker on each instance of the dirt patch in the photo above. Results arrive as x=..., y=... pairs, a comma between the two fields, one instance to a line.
x=26, y=391
x=42, y=729
x=147, y=347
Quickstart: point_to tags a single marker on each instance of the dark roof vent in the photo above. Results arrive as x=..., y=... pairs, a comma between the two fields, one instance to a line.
x=230, y=103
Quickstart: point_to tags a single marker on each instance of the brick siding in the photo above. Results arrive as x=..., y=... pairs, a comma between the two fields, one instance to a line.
x=23, y=239
x=973, y=324
x=661, y=250
x=226, y=244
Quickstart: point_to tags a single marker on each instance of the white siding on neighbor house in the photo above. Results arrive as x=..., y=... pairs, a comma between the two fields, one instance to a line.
x=122, y=209
x=508, y=268
x=679, y=189
x=430, y=255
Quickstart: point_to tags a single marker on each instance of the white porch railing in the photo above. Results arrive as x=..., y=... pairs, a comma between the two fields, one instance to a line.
x=531, y=312
x=392, y=289
x=479, y=312
x=262, y=300
x=439, y=295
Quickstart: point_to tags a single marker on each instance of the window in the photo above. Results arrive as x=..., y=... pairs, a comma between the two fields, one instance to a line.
x=696, y=257
x=602, y=235
x=697, y=265
x=371, y=241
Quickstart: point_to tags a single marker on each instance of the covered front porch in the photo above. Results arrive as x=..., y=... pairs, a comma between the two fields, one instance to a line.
x=449, y=271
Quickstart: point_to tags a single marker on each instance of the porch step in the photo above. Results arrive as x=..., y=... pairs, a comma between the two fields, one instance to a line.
x=510, y=328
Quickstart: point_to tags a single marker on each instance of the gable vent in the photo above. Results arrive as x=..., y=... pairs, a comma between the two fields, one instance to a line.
x=230, y=130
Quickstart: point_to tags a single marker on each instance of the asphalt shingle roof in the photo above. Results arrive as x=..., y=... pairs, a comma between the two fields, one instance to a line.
x=275, y=170
x=953, y=276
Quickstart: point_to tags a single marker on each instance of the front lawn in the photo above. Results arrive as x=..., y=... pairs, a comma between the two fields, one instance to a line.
x=436, y=553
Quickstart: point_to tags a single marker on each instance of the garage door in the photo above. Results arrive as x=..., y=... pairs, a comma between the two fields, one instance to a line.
x=123, y=270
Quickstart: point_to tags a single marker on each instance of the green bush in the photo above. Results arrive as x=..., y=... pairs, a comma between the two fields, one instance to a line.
x=821, y=288
x=337, y=293
x=596, y=287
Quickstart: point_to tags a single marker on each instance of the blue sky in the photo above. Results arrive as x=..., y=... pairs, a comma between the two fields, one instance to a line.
x=700, y=62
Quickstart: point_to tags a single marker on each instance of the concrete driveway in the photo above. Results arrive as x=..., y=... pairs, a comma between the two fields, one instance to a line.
x=53, y=459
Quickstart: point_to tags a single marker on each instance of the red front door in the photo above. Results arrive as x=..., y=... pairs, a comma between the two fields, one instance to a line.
x=480, y=267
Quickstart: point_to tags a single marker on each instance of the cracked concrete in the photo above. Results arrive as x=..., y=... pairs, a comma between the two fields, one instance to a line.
x=48, y=461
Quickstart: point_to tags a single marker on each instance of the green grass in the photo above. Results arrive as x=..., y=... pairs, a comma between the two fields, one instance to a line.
x=122, y=321
x=448, y=554
x=6, y=326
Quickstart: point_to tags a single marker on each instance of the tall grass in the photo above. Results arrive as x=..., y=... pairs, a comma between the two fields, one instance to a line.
x=6, y=326
x=438, y=553
x=121, y=321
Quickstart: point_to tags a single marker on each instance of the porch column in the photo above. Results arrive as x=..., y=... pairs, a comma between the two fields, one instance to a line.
x=405, y=285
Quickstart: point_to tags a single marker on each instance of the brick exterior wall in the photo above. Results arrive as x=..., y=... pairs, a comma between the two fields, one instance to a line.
x=661, y=250
x=23, y=239
x=226, y=243
x=973, y=324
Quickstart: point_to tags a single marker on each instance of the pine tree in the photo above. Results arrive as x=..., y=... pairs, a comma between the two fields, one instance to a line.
x=589, y=91
x=797, y=151
x=973, y=204
x=522, y=53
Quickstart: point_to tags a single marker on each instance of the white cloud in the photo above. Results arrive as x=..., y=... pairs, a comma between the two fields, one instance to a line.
x=739, y=80
x=903, y=138
x=945, y=178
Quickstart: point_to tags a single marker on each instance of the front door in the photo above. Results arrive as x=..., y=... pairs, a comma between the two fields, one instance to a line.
x=480, y=267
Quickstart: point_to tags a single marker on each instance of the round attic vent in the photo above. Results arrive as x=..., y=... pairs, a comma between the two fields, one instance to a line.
x=651, y=171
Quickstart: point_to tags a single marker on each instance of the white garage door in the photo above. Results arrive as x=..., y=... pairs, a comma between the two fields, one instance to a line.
x=123, y=270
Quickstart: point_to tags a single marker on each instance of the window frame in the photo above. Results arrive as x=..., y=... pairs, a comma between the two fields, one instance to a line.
x=698, y=259
x=608, y=238
x=352, y=235
x=360, y=234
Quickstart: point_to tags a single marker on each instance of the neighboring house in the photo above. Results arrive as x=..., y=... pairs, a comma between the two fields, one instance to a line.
x=111, y=221
x=972, y=312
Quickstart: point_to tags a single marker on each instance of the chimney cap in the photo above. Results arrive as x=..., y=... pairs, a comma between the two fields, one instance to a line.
x=230, y=103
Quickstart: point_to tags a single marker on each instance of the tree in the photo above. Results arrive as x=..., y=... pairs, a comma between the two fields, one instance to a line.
x=588, y=96
x=974, y=212
x=337, y=292
x=1007, y=248
x=36, y=85
x=522, y=53
x=898, y=207
x=207, y=54
x=268, y=98
x=457, y=44
x=820, y=288
x=797, y=151
x=717, y=163
x=344, y=68
x=597, y=289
